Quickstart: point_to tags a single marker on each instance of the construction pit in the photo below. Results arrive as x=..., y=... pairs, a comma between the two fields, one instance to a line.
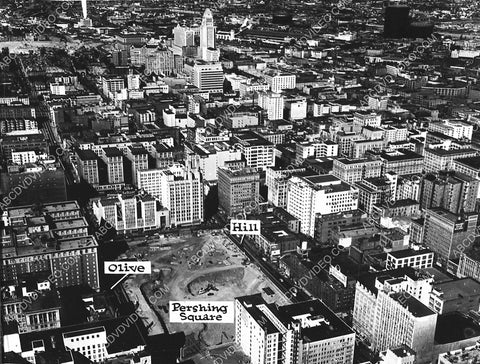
x=205, y=268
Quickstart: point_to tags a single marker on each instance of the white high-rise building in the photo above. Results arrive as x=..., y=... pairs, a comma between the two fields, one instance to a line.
x=178, y=190
x=324, y=194
x=127, y=212
x=456, y=129
x=257, y=151
x=85, y=21
x=84, y=9
x=183, y=37
x=391, y=309
x=280, y=81
x=273, y=103
x=366, y=118
x=133, y=82
x=317, y=149
x=112, y=84
x=182, y=195
x=208, y=52
x=302, y=333
x=296, y=107
x=276, y=179
x=149, y=181
x=208, y=77
x=208, y=157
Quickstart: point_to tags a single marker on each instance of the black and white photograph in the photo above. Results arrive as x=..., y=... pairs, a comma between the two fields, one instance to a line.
x=240, y=182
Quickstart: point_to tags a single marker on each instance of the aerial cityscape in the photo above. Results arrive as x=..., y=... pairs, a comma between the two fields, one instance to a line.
x=240, y=182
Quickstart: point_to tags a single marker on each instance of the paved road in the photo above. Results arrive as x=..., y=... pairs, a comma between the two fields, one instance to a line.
x=54, y=141
x=282, y=283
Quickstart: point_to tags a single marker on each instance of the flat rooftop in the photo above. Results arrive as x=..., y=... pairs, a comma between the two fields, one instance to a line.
x=368, y=280
x=400, y=154
x=251, y=303
x=442, y=152
x=417, y=308
x=112, y=152
x=472, y=162
x=63, y=245
x=332, y=327
x=455, y=326
x=86, y=155
x=51, y=208
x=326, y=182
x=438, y=211
x=452, y=290
x=356, y=161
x=409, y=253
x=251, y=139
x=71, y=223
x=130, y=339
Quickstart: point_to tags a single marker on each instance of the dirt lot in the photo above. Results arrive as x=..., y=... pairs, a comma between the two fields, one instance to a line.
x=199, y=268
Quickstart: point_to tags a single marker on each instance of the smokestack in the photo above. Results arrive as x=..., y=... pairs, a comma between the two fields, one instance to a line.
x=84, y=9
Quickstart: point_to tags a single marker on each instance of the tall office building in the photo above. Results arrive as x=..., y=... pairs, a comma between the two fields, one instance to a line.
x=208, y=157
x=402, y=319
x=133, y=82
x=374, y=191
x=137, y=155
x=178, y=190
x=257, y=151
x=444, y=232
x=317, y=149
x=409, y=187
x=391, y=309
x=276, y=180
x=183, y=37
x=84, y=9
x=208, y=52
x=366, y=118
x=355, y=170
x=208, y=77
x=296, y=107
x=182, y=194
x=85, y=21
x=112, y=84
x=113, y=158
x=439, y=159
x=302, y=333
x=161, y=61
x=237, y=189
x=280, y=81
x=455, y=129
x=397, y=21
x=149, y=180
x=401, y=161
x=345, y=142
x=324, y=194
x=327, y=226
x=470, y=167
x=130, y=212
x=469, y=264
x=273, y=104
x=87, y=164
x=455, y=192
x=46, y=183
x=70, y=261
